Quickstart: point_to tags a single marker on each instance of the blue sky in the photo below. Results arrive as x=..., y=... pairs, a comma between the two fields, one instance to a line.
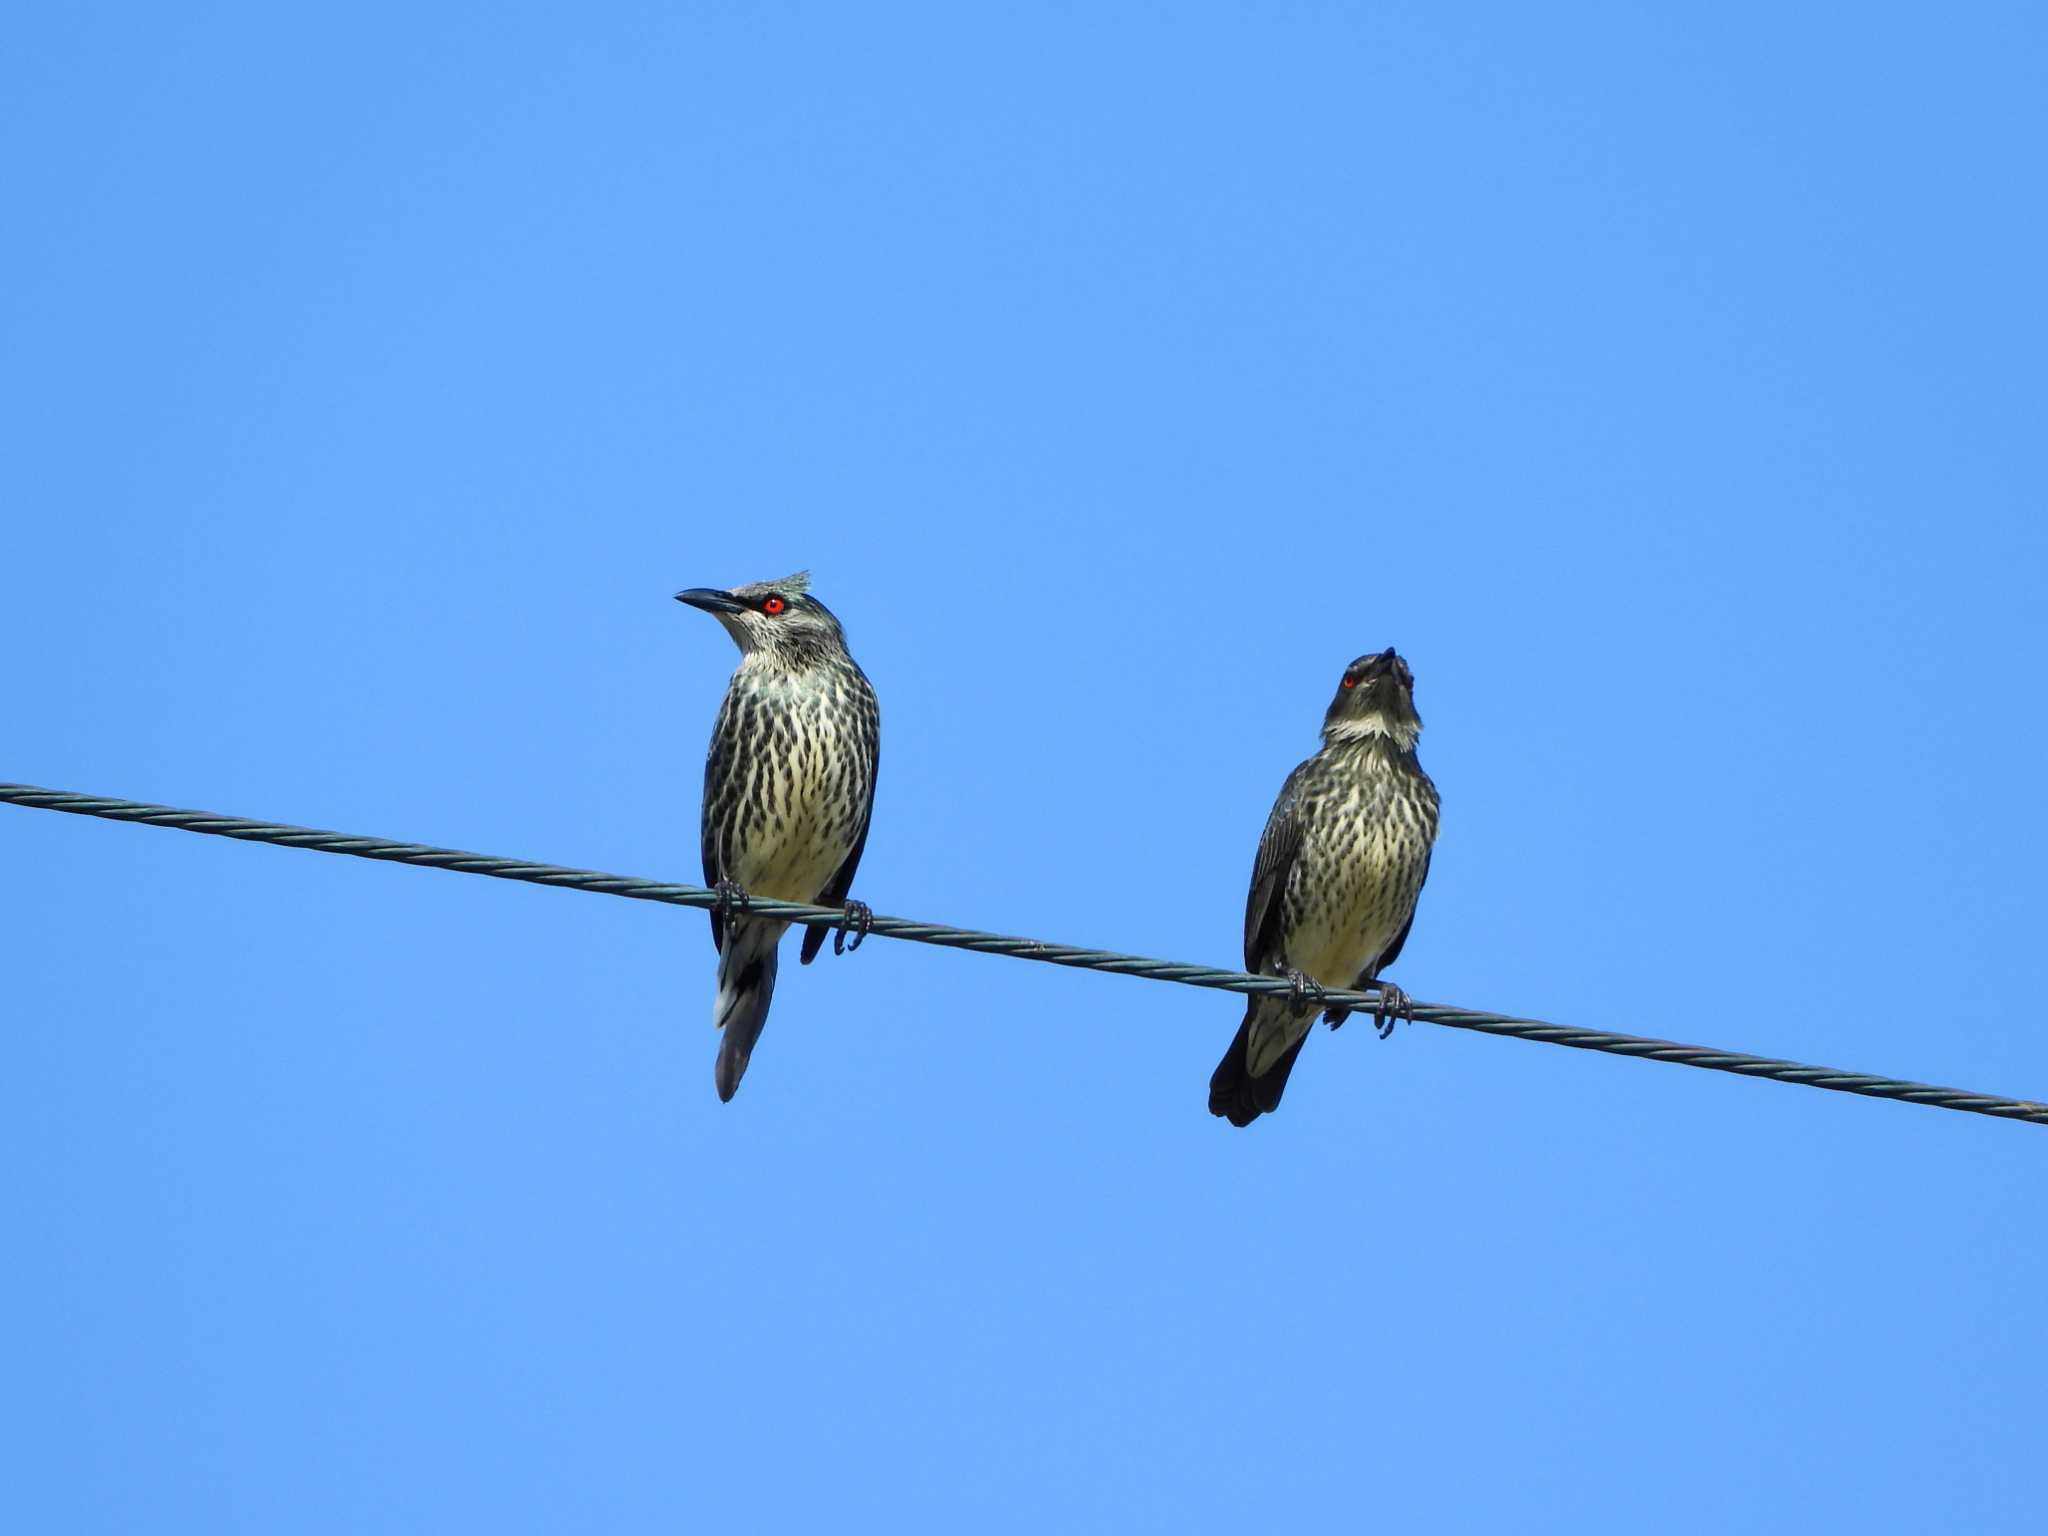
x=1667, y=388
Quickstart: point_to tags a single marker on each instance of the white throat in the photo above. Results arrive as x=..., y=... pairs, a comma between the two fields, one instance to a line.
x=1402, y=733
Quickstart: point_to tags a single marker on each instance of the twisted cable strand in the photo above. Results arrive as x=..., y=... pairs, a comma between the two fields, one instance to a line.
x=113, y=808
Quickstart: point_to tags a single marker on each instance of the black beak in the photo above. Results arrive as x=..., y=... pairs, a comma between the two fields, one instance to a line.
x=710, y=599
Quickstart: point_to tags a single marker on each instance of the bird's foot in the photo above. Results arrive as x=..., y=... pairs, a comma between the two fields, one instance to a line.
x=732, y=897
x=1393, y=1006
x=1305, y=993
x=1335, y=1015
x=859, y=921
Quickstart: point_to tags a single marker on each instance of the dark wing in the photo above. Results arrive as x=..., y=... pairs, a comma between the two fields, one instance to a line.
x=711, y=878
x=1277, y=848
x=720, y=765
x=1394, y=949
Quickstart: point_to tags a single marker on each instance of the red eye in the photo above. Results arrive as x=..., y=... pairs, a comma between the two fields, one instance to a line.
x=1350, y=681
x=773, y=605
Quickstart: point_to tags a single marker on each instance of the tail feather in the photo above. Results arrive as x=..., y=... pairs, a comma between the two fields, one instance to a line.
x=746, y=984
x=1233, y=1092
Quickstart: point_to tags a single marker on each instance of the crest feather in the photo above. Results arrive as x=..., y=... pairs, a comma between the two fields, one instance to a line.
x=790, y=586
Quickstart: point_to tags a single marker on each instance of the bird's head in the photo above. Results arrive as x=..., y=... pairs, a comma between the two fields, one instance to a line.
x=778, y=619
x=1375, y=697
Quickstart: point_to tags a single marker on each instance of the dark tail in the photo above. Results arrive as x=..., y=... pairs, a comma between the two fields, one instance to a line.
x=746, y=983
x=1233, y=1092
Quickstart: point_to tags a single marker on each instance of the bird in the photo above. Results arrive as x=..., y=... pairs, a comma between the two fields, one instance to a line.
x=1339, y=869
x=789, y=791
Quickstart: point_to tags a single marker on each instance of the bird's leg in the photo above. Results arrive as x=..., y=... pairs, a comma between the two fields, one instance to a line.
x=1392, y=1006
x=1337, y=1013
x=732, y=897
x=859, y=920
x=1305, y=993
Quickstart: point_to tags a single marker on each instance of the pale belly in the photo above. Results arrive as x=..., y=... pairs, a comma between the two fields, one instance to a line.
x=1360, y=907
x=794, y=844
x=795, y=870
